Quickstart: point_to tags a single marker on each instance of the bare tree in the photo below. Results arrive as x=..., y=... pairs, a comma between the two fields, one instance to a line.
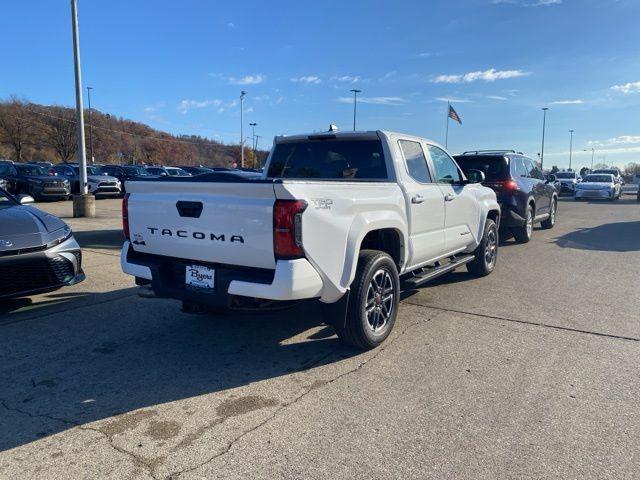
x=16, y=126
x=60, y=132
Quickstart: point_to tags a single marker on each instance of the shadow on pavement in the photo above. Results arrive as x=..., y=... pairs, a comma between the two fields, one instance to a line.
x=111, y=239
x=86, y=364
x=610, y=237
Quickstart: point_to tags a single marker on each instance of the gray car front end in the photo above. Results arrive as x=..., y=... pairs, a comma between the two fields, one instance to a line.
x=103, y=185
x=38, y=252
x=596, y=190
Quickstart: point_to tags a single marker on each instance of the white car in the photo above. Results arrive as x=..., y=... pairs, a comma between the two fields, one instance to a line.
x=598, y=185
x=568, y=181
x=335, y=217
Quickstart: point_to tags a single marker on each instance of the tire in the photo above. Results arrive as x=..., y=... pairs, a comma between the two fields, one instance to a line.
x=523, y=233
x=550, y=222
x=376, y=288
x=486, y=253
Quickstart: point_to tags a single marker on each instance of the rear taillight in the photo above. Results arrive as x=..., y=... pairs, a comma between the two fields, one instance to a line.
x=506, y=186
x=287, y=229
x=510, y=186
x=125, y=215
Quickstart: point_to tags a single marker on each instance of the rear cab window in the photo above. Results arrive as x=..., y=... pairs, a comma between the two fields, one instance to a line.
x=329, y=158
x=494, y=167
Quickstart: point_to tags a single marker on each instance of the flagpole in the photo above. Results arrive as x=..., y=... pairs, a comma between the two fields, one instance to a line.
x=446, y=138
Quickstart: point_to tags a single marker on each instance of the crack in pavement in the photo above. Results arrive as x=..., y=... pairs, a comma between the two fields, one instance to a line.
x=528, y=322
x=136, y=460
x=281, y=408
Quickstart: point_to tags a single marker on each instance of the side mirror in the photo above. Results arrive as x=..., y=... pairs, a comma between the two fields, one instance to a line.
x=25, y=199
x=475, y=176
x=551, y=178
x=163, y=174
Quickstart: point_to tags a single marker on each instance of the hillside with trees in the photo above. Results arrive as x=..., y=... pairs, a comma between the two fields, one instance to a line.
x=29, y=131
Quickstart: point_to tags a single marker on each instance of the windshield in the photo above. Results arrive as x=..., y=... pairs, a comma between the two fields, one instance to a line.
x=31, y=170
x=134, y=170
x=612, y=172
x=6, y=169
x=177, y=172
x=565, y=175
x=494, y=168
x=329, y=159
x=6, y=200
x=597, y=179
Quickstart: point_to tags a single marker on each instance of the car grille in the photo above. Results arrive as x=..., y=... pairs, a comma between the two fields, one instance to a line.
x=54, y=185
x=34, y=274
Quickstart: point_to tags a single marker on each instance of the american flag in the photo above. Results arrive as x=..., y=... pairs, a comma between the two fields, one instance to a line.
x=454, y=115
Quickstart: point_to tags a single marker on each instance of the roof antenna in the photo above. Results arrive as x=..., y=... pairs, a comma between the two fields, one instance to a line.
x=333, y=127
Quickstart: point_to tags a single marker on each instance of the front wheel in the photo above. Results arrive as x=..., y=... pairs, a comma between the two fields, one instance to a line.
x=486, y=254
x=373, y=301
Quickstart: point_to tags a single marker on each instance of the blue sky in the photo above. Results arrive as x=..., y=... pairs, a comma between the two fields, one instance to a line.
x=179, y=66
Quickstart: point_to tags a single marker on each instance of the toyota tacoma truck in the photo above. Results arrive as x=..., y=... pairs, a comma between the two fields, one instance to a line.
x=346, y=219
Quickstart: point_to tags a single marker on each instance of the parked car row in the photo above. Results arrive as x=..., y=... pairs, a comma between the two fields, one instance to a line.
x=46, y=181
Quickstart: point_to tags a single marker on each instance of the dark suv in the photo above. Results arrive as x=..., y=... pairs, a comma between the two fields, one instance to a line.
x=125, y=172
x=34, y=180
x=525, y=196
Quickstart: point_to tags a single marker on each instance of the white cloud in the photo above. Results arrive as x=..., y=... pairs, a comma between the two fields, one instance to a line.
x=185, y=105
x=454, y=100
x=621, y=140
x=389, y=75
x=247, y=79
x=632, y=87
x=568, y=102
x=527, y=3
x=231, y=25
x=345, y=78
x=496, y=97
x=490, y=75
x=308, y=79
x=375, y=100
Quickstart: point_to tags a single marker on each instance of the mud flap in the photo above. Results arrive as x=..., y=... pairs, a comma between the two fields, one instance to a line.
x=335, y=314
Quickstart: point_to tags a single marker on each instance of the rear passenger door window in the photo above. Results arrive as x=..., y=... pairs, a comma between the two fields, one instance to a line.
x=446, y=169
x=416, y=161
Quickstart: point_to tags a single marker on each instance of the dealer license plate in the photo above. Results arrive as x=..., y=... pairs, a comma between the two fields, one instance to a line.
x=200, y=276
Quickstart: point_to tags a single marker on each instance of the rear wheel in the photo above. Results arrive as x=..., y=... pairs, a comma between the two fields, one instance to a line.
x=551, y=221
x=373, y=301
x=486, y=253
x=523, y=233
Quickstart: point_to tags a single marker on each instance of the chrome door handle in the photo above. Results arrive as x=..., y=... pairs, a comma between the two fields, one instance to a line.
x=449, y=197
x=417, y=199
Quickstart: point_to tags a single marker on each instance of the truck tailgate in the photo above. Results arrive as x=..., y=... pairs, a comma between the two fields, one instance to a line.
x=226, y=223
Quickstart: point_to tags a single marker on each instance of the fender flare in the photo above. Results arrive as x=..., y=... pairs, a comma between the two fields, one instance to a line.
x=361, y=226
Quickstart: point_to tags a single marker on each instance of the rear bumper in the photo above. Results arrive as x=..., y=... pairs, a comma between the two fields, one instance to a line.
x=291, y=279
x=509, y=217
x=41, y=271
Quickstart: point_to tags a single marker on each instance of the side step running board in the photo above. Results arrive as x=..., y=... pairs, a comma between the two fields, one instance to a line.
x=435, y=272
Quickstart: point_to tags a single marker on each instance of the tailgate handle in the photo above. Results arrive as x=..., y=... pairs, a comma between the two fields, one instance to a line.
x=189, y=209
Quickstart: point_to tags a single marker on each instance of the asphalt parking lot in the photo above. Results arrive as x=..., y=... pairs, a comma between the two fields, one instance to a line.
x=532, y=372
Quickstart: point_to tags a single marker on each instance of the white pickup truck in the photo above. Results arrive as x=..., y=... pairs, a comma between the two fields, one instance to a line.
x=339, y=218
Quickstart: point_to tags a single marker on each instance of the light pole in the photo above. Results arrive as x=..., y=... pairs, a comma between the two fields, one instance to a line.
x=593, y=151
x=570, y=148
x=253, y=136
x=90, y=126
x=544, y=125
x=355, y=102
x=242, y=94
x=83, y=204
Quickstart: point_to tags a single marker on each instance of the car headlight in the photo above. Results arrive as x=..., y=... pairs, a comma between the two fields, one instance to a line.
x=65, y=235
